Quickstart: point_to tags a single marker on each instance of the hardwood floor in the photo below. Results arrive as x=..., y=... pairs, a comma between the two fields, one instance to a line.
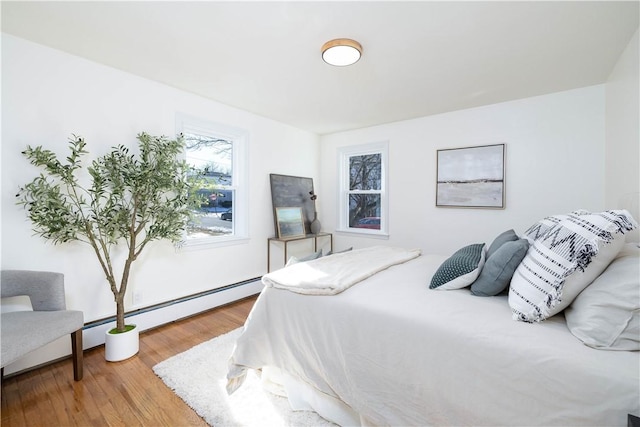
x=125, y=393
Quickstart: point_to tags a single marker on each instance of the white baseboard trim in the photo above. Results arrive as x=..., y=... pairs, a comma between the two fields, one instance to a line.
x=164, y=313
x=146, y=318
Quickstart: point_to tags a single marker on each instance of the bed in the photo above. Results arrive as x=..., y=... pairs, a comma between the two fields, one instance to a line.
x=388, y=350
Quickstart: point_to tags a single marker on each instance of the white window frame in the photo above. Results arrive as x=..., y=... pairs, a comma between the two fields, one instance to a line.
x=240, y=160
x=344, y=154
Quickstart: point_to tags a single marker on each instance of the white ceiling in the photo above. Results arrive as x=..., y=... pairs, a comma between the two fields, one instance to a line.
x=419, y=57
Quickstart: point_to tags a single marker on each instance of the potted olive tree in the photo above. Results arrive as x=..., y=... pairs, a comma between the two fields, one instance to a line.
x=131, y=200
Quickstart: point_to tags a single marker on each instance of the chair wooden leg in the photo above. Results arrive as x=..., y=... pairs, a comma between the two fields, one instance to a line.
x=77, y=355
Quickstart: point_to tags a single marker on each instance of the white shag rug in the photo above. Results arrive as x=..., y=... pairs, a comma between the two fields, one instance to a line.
x=198, y=376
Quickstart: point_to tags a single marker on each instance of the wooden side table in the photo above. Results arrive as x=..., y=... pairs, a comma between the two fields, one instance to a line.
x=286, y=242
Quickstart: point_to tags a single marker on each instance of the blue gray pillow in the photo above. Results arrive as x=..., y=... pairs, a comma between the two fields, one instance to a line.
x=504, y=237
x=295, y=260
x=339, y=252
x=499, y=268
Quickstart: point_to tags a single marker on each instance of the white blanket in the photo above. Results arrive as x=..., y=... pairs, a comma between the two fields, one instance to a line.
x=333, y=274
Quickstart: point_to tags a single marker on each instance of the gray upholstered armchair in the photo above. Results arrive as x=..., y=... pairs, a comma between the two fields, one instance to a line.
x=25, y=331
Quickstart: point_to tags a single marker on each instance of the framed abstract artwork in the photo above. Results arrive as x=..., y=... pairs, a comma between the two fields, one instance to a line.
x=290, y=222
x=471, y=177
x=292, y=191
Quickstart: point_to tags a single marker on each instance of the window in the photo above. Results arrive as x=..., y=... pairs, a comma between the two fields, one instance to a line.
x=363, y=189
x=216, y=156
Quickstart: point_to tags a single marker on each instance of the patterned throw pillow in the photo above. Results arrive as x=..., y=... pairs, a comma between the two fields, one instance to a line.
x=459, y=270
x=540, y=228
x=564, y=261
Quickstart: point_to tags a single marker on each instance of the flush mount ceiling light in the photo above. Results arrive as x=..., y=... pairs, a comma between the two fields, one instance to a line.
x=341, y=52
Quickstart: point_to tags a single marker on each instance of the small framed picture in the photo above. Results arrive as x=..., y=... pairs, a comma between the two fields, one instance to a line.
x=290, y=222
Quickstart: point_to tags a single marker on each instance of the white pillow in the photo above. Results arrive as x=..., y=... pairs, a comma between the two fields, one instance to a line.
x=606, y=315
x=560, y=264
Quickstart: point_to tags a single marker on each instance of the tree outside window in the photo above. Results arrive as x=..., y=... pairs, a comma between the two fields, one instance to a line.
x=216, y=156
x=365, y=185
x=210, y=161
x=363, y=203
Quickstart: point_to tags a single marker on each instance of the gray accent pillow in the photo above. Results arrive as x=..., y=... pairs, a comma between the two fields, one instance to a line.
x=339, y=252
x=461, y=269
x=295, y=260
x=504, y=237
x=499, y=268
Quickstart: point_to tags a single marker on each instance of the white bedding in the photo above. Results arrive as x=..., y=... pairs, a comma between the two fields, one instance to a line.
x=392, y=352
x=332, y=275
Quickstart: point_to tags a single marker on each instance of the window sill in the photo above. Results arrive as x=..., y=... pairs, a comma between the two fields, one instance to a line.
x=370, y=234
x=212, y=243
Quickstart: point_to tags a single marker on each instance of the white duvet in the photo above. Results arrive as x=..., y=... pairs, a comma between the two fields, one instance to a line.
x=389, y=351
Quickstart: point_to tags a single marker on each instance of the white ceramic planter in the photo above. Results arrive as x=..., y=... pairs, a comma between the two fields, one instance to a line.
x=121, y=346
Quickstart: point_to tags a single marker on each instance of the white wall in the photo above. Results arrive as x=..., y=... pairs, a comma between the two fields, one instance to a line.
x=47, y=95
x=622, y=181
x=554, y=164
